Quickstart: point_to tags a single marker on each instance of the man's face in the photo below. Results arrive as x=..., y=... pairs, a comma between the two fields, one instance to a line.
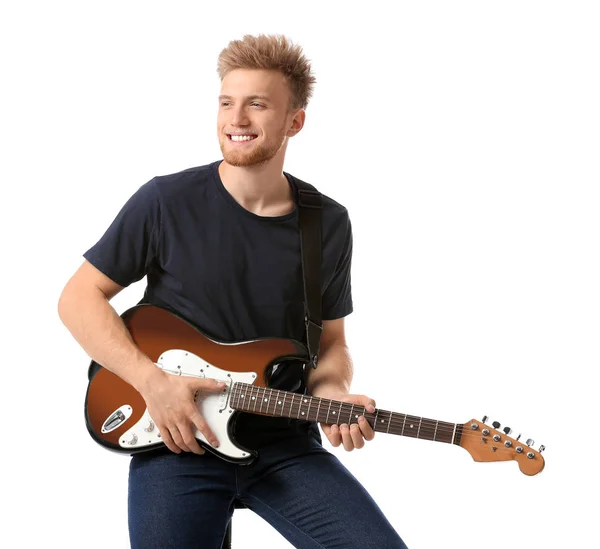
x=254, y=117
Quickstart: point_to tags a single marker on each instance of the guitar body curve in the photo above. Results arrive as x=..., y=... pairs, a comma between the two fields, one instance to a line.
x=115, y=413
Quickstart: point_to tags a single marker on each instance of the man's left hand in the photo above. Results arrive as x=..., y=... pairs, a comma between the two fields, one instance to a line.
x=354, y=435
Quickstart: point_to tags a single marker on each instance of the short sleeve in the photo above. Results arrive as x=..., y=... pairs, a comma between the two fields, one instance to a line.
x=337, y=297
x=128, y=248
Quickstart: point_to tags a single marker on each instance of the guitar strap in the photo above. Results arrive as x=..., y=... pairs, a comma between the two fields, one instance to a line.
x=310, y=206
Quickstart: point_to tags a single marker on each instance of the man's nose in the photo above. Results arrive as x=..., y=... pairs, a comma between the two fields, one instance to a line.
x=239, y=116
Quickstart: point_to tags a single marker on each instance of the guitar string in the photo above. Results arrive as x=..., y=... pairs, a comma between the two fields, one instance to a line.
x=446, y=428
x=347, y=408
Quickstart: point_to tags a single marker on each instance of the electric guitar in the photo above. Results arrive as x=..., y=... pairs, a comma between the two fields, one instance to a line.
x=117, y=418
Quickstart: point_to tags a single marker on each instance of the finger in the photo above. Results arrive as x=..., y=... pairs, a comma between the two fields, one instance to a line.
x=168, y=440
x=200, y=423
x=190, y=440
x=365, y=428
x=334, y=435
x=363, y=400
x=178, y=438
x=208, y=386
x=356, y=435
x=346, y=438
x=368, y=403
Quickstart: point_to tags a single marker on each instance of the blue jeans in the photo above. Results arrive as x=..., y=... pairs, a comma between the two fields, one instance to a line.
x=185, y=501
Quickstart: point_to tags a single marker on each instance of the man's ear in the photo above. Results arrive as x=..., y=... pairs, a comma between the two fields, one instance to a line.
x=297, y=123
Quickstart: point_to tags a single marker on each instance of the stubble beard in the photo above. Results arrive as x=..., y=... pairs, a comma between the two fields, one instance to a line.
x=257, y=155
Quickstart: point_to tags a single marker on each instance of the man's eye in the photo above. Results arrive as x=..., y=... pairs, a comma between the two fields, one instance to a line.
x=256, y=104
x=224, y=103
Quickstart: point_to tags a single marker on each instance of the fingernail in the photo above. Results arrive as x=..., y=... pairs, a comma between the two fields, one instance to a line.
x=221, y=384
x=361, y=419
x=215, y=443
x=370, y=408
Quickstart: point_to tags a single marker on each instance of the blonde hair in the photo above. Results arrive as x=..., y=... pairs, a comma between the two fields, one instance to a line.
x=271, y=52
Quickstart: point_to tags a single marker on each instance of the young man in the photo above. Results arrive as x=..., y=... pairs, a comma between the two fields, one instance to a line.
x=220, y=245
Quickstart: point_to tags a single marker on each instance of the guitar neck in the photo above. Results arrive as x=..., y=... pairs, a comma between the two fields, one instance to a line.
x=275, y=403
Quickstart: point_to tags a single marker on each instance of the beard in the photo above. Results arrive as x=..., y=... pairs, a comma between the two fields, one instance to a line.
x=256, y=155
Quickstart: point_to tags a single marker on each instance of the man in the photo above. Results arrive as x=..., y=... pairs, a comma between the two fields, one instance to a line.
x=220, y=245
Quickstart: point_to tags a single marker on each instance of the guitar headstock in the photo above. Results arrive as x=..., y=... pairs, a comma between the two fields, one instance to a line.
x=488, y=443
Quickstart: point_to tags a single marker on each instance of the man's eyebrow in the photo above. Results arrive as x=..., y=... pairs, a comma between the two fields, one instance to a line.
x=249, y=98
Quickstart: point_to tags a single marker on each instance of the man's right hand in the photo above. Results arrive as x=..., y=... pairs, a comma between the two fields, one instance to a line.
x=170, y=400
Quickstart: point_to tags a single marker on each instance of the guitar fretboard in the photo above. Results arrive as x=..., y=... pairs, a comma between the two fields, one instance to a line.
x=272, y=402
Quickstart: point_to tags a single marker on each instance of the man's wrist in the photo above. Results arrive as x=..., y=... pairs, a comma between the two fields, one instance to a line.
x=146, y=375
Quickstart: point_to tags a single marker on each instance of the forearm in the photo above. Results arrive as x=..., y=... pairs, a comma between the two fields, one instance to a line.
x=333, y=373
x=100, y=331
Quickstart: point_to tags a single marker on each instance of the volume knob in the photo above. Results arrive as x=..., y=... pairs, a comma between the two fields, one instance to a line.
x=132, y=440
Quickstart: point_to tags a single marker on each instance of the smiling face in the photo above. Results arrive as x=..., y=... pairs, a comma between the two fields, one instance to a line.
x=255, y=118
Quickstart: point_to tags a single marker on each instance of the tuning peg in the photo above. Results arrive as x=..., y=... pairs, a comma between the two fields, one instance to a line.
x=496, y=424
x=485, y=418
x=507, y=430
x=542, y=448
x=530, y=442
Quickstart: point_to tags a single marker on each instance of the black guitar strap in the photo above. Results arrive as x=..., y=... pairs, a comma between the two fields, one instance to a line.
x=310, y=205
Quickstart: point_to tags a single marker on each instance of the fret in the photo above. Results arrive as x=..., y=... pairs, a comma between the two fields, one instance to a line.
x=277, y=403
x=435, y=430
x=328, y=410
x=254, y=397
x=307, y=402
x=390, y=417
x=428, y=429
x=308, y=417
x=403, y=424
x=350, y=415
x=383, y=421
x=457, y=434
x=410, y=427
x=318, y=408
x=445, y=432
x=233, y=395
x=304, y=402
x=245, y=399
x=268, y=400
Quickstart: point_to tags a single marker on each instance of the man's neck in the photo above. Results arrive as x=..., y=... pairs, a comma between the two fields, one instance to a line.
x=262, y=190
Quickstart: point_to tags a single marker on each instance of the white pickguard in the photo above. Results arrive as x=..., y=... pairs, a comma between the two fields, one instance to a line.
x=213, y=407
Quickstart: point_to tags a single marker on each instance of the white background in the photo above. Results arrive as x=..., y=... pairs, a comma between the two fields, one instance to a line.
x=464, y=139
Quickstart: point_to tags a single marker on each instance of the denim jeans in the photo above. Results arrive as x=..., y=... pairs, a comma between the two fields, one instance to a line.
x=183, y=501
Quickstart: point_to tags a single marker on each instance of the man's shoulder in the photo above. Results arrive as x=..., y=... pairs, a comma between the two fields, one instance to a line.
x=331, y=207
x=186, y=178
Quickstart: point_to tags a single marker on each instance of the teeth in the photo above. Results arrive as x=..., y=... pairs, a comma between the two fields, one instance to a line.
x=242, y=137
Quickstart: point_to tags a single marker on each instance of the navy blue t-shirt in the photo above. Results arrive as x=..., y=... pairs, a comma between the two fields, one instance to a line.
x=237, y=276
